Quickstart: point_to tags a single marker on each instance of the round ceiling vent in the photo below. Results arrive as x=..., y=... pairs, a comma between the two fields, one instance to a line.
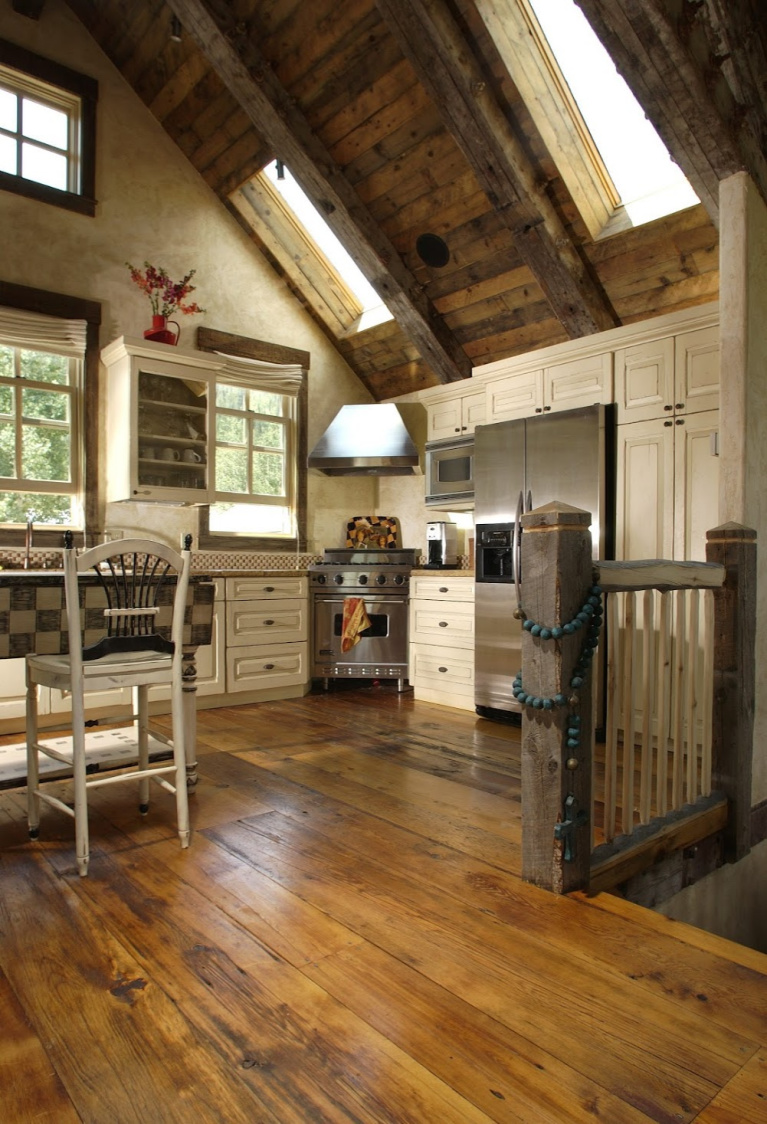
x=432, y=250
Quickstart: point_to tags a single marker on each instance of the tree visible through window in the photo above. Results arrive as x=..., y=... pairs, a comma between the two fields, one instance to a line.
x=253, y=468
x=39, y=476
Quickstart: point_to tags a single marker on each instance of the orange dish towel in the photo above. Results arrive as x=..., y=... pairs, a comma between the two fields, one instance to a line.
x=355, y=620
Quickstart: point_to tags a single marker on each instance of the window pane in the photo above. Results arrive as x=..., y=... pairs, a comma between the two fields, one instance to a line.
x=7, y=450
x=45, y=404
x=261, y=402
x=6, y=362
x=230, y=397
x=268, y=476
x=17, y=507
x=44, y=453
x=6, y=401
x=43, y=123
x=8, y=156
x=231, y=470
x=250, y=519
x=8, y=110
x=43, y=167
x=269, y=434
x=231, y=429
x=45, y=368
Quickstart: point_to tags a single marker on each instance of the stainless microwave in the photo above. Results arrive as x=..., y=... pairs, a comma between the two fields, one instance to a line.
x=450, y=474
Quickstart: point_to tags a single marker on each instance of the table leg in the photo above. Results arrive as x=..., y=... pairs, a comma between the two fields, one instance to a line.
x=189, y=676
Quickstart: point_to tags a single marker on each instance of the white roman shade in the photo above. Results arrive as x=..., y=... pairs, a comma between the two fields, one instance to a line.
x=42, y=333
x=275, y=378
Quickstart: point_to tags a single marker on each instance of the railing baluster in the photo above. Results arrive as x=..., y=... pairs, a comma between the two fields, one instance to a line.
x=708, y=692
x=691, y=665
x=627, y=802
x=647, y=639
x=613, y=605
x=677, y=789
x=663, y=696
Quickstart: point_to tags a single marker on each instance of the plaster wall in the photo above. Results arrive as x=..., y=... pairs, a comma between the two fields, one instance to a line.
x=153, y=205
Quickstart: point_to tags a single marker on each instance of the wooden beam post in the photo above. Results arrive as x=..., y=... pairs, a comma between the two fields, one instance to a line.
x=734, y=547
x=556, y=569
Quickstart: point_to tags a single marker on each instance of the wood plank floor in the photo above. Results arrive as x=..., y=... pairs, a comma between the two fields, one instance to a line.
x=348, y=940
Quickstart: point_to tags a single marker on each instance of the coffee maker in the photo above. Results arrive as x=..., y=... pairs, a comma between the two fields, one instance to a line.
x=441, y=543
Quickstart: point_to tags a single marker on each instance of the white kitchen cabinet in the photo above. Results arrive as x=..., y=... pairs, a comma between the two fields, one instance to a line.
x=442, y=639
x=455, y=413
x=159, y=406
x=668, y=376
x=267, y=635
x=566, y=385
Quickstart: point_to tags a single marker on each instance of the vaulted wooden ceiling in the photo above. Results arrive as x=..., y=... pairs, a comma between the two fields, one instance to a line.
x=401, y=118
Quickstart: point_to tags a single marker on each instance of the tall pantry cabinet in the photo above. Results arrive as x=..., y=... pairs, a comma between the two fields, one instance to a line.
x=667, y=393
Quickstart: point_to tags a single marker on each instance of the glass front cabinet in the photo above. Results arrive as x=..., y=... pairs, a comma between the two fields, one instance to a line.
x=159, y=417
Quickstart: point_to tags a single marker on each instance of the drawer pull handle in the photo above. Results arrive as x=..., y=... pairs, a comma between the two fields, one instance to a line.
x=443, y=624
x=442, y=669
x=268, y=667
x=443, y=589
x=268, y=589
x=268, y=622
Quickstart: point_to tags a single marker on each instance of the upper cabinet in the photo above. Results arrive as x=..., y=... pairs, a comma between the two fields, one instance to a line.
x=675, y=374
x=454, y=413
x=159, y=414
x=580, y=381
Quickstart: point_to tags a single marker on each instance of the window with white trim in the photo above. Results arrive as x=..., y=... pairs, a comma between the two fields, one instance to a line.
x=255, y=463
x=41, y=373
x=47, y=130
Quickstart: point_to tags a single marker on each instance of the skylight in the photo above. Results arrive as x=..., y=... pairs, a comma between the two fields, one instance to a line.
x=374, y=311
x=650, y=184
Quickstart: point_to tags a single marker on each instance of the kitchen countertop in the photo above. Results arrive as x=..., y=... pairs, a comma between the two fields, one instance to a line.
x=239, y=572
x=442, y=574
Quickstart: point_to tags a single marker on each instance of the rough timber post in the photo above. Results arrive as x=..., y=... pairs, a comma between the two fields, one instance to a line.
x=556, y=568
x=732, y=732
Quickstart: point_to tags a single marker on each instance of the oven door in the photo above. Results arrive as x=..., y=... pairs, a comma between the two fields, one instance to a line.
x=382, y=648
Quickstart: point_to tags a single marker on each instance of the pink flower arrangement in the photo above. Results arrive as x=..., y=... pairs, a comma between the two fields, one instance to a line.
x=165, y=296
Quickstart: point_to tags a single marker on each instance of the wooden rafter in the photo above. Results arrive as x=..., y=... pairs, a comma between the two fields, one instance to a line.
x=445, y=65
x=250, y=79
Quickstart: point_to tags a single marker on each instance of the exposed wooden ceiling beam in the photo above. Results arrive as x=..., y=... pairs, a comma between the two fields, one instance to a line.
x=444, y=63
x=250, y=79
x=683, y=89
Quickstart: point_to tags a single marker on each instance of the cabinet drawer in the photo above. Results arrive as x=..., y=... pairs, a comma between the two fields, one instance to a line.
x=266, y=622
x=451, y=670
x=443, y=588
x=451, y=624
x=268, y=588
x=265, y=666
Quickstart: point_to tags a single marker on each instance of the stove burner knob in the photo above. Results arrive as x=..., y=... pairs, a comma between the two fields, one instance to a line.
x=338, y=579
x=363, y=579
x=399, y=579
x=320, y=579
x=381, y=579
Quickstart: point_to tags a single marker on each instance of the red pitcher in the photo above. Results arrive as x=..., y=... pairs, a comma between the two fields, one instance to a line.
x=160, y=331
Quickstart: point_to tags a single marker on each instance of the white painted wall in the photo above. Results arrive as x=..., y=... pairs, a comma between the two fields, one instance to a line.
x=152, y=205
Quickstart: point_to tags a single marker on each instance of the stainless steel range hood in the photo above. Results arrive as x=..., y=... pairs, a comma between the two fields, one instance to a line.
x=367, y=440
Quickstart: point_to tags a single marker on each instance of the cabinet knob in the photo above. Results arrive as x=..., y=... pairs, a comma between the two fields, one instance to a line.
x=443, y=589
x=443, y=624
x=538, y=410
x=546, y=409
x=268, y=667
x=457, y=429
x=680, y=421
x=668, y=424
x=443, y=669
x=669, y=407
x=268, y=622
x=679, y=405
x=268, y=589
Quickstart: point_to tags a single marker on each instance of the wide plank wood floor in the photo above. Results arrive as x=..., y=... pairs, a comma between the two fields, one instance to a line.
x=348, y=940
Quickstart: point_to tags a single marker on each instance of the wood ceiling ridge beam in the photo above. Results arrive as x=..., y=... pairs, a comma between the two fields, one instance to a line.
x=446, y=65
x=276, y=117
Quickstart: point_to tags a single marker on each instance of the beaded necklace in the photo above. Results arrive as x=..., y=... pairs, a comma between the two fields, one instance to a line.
x=589, y=617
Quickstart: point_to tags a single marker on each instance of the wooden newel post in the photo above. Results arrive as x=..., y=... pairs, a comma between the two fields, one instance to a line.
x=557, y=578
x=734, y=547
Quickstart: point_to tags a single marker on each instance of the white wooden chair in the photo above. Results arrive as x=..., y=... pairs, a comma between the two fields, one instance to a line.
x=125, y=628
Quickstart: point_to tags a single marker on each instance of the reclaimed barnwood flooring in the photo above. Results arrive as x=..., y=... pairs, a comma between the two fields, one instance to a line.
x=348, y=940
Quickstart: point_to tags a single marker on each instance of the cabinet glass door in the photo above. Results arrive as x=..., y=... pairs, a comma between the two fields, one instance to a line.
x=172, y=433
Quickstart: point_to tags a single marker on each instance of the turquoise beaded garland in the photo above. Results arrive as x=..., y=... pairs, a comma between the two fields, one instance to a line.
x=589, y=615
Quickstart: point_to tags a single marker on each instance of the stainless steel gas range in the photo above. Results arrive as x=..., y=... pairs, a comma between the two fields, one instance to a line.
x=381, y=579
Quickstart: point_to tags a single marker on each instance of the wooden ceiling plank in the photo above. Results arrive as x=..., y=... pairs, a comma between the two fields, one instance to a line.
x=444, y=62
x=274, y=114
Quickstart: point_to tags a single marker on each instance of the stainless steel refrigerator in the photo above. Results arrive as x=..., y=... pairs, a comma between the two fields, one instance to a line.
x=518, y=466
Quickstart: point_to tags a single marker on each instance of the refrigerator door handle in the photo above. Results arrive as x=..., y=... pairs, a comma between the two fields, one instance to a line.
x=516, y=548
x=529, y=501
